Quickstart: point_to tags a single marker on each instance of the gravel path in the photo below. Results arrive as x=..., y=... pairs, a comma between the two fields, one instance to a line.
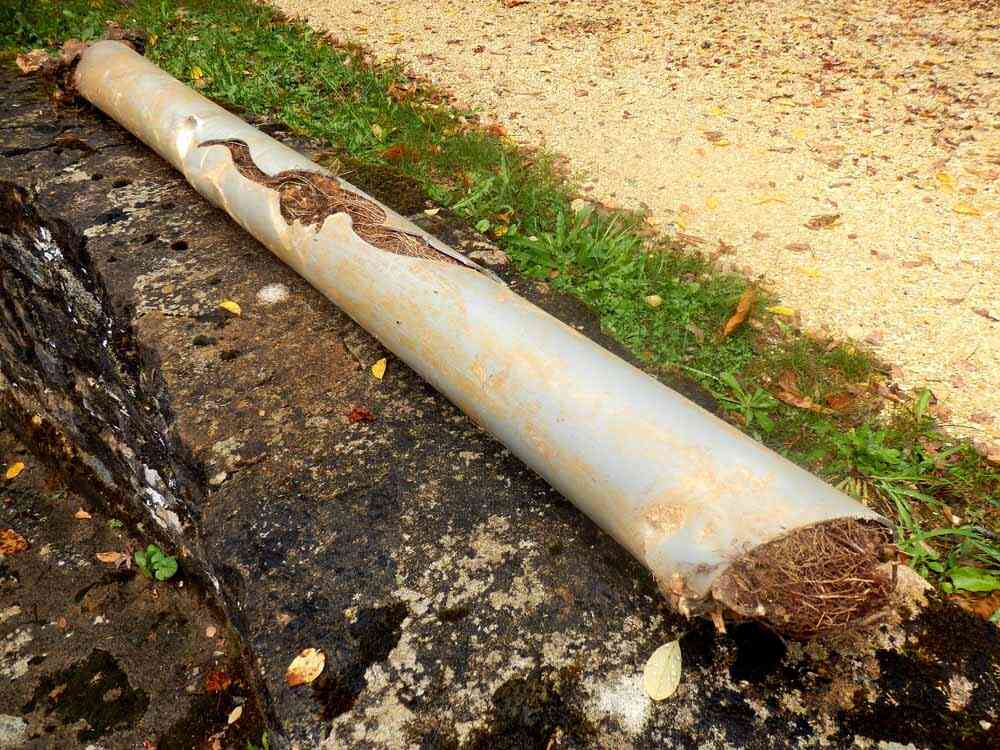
x=848, y=152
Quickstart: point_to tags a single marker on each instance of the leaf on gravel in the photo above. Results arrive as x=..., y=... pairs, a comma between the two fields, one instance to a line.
x=217, y=681
x=711, y=202
x=967, y=209
x=82, y=515
x=111, y=558
x=823, y=221
x=229, y=306
x=662, y=674
x=14, y=469
x=11, y=542
x=946, y=182
x=740, y=313
x=770, y=198
x=983, y=312
x=305, y=667
x=799, y=247
x=378, y=369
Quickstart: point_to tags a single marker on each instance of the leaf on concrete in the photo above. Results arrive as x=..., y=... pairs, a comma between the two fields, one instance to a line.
x=11, y=542
x=305, y=667
x=14, y=469
x=984, y=313
x=662, y=674
x=217, y=681
x=232, y=307
x=740, y=313
x=378, y=369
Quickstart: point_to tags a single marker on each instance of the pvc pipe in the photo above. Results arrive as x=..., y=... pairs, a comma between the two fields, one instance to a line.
x=684, y=492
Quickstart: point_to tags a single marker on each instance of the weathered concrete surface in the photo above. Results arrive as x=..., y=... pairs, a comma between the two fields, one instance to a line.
x=95, y=654
x=460, y=601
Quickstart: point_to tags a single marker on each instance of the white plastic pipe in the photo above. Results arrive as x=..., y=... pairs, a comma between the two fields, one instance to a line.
x=684, y=492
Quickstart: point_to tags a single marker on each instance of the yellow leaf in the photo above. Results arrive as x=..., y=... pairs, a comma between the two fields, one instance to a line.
x=152, y=40
x=717, y=112
x=11, y=542
x=14, y=469
x=654, y=300
x=197, y=73
x=377, y=131
x=945, y=181
x=712, y=202
x=378, y=369
x=798, y=133
x=967, y=209
x=305, y=667
x=813, y=273
x=788, y=312
x=721, y=142
x=230, y=306
x=662, y=673
x=770, y=198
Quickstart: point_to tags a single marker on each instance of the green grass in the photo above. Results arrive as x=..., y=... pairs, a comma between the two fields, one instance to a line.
x=892, y=457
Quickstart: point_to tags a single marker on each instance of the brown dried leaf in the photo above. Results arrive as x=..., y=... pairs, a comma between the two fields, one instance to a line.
x=839, y=401
x=111, y=558
x=360, y=414
x=82, y=515
x=30, y=62
x=802, y=402
x=217, y=681
x=789, y=381
x=11, y=542
x=305, y=667
x=823, y=221
x=984, y=313
x=740, y=313
x=799, y=247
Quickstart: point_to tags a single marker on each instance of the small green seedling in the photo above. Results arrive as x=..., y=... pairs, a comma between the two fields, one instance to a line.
x=114, y=523
x=154, y=564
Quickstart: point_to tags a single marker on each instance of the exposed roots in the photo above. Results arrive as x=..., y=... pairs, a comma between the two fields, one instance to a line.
x=309, y=197
x=819, y=579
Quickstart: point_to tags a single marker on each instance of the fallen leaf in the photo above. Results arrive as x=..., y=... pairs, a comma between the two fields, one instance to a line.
x=210, y=631
x=111, y=558
x=980, y=311
x=823, y=221
x=799, y=247
x=14, y=469
x=378, y=369
x=431, y=211
x=377, y=130
x=770, y=198
x=789, y=381
x=11, y=542
x=711, y=202
x=740, y=313
x=923, y=260
x=305, y=667
x=654, y=300
x=197, y=73
x=787, y=312
x=966, y=209
x=801, y=402
x=29, y=62
x=759, y=235
x=229, y=306
x=876, y=337
x=235, y=715
x=946, y=182
x=360, y=414
x=82, y=515
x=662, y=673
x=839, y=401
x=217, y=681
x=981, y=417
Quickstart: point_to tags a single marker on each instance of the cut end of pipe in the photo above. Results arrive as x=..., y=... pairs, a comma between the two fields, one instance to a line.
x=828, y=577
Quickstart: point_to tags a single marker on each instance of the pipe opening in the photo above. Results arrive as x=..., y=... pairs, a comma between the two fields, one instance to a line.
x=814, y=580
x=309, y=197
